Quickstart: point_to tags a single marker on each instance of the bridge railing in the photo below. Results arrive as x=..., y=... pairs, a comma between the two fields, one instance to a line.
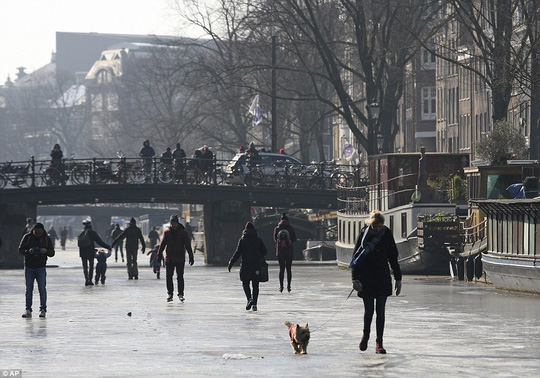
x=188, y=171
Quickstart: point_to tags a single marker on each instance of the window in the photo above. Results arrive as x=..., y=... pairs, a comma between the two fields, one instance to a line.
x=428, y=60
x=103, y=77
x=404, y=225
x=429, y=103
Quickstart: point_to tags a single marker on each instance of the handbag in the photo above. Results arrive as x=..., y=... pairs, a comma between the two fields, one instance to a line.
x=263, y=270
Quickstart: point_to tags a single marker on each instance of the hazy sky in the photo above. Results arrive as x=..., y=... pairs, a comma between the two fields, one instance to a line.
x=28, y=27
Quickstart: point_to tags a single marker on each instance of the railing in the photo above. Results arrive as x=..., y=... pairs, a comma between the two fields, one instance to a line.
x=474, y=233
x=122, y=170
x=386, y=195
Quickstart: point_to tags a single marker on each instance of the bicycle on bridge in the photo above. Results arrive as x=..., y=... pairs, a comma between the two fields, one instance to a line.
x=121, y=170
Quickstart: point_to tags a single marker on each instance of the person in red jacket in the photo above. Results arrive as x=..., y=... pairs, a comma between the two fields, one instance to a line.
x=176, y=242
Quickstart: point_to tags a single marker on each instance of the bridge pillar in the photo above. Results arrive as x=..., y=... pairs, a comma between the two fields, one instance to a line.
x=100, y=224
x=223, y=226
x=12, y=221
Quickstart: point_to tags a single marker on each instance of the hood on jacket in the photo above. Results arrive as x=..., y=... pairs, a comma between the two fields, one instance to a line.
x=250, y=233
x=284, y=222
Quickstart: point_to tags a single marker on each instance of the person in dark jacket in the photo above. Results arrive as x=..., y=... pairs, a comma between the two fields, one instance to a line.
x=36, y=246
x=101, y=266
x=285, y=255
x=120, y=245
x=147, y=153
x=87, y=252
x=63, y=237
x=371, y=274
x=250, y=248
x=133, y=236
x=175, y=242
x=179, y=155
x=153, y=236
x=53, y=235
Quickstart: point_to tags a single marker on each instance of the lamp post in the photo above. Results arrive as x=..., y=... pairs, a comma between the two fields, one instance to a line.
x=274, y=95
x=374, y=110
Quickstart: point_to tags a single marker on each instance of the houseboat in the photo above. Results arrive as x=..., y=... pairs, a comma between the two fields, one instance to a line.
x=418, y=194
x=492, y=183
x=512, y=258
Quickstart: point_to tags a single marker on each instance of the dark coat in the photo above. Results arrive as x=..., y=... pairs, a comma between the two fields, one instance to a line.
x=133, y=235
x=90, y=252
x=30, y=241
x=284, y=224
x=374, y=272
x=250, y=248
x=176, y=243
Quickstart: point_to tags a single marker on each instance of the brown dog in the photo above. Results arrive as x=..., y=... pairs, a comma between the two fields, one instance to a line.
x=299, y=334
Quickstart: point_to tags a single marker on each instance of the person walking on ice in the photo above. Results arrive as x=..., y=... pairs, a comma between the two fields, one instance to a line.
x=251, y=249
x=133, y=236
x=375, y=250
x=175, y=242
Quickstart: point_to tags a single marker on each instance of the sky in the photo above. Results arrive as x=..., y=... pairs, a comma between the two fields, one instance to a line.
x=28, y=27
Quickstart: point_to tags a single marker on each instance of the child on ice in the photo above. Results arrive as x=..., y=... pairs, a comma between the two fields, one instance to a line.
x=155, y=259
x=101, y=266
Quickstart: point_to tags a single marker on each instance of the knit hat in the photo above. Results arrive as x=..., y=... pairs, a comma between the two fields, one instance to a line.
x=249, y=226
x=132, y=221
x=174, y=218
x=284, y=216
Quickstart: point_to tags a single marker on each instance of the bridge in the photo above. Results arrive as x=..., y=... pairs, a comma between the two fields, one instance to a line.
x=226, y=206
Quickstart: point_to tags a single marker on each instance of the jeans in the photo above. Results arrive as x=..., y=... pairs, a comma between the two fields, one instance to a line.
x=170, y=267
x=40, y=275
x=369, y=308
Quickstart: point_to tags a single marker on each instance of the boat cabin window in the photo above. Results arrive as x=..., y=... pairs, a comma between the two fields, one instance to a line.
x=496, y=185
x=403, y=225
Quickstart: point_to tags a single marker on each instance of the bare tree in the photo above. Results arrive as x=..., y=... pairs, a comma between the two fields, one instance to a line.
x=44, y=108
x=364, y=48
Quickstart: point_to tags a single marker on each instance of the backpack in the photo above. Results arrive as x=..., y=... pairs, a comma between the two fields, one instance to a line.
x=283, y=239
x=85, y=239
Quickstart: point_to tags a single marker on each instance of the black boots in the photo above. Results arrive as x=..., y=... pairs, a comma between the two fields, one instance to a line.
x=363, y=342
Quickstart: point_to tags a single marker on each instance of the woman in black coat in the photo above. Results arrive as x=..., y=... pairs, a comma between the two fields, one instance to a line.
x=250, y=248
x=371, y=274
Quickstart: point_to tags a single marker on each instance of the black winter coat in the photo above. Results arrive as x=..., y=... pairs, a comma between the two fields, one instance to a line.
x=90, y=252
x=250, y=248
x=374, y=272
x=133, y=235
x=285, y=225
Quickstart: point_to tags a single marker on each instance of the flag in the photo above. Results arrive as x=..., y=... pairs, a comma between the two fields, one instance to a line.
x=255, y=111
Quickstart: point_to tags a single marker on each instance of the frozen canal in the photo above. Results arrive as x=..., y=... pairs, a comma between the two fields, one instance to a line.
x=435, y=328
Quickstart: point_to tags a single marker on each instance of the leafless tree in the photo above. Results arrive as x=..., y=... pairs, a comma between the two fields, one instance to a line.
x=504, y=36
x=364, y=47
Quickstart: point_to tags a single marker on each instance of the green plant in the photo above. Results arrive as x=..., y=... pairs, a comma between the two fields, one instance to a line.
x=504, y=142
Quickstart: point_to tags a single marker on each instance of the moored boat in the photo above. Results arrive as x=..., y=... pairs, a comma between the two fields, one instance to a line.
x=317, y=250
x=424, y=218
x=512, y=257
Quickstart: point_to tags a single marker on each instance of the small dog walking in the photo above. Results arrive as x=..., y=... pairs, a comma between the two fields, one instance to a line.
x=299, y=334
